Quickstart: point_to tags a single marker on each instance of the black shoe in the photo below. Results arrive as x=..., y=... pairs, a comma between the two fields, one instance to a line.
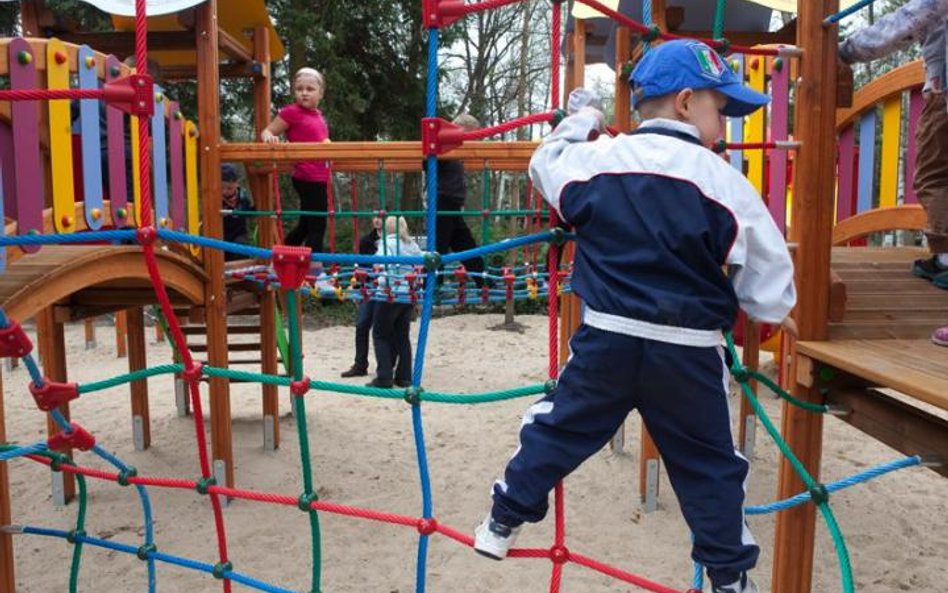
x=402, y=383
x=928, y=268
x=381, y=383
x=355, y=372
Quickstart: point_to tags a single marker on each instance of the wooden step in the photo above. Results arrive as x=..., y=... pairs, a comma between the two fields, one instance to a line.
x=200, y=330
x=244, y=347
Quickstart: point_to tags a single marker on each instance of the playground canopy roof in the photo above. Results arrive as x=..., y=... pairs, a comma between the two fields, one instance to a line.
x=168, y=18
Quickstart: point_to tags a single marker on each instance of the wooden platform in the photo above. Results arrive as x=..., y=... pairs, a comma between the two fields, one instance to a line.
x=881, y=342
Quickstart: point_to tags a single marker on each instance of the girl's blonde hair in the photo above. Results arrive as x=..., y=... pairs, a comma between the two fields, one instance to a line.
x=312, y=73
x=397, y=224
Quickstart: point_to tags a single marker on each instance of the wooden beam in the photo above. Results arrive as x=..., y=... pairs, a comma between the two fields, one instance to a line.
x=245, y=152
x=208, y=57
x=812, y=228
x=901, y=218
x=122, y=43
x=121, y=333
x=7, y=565
x=233, y=47
x=749, y=38
x=52, y=350
x=906, y=428
x=138, y=360
x=623, y=98
x=31, y=12
x=266, y=237
x=888, y=85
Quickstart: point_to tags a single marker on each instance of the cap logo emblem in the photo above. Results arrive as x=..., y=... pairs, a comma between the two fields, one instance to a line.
x=709, y=61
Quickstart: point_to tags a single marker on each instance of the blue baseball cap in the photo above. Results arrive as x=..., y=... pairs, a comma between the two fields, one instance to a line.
x=687, y=63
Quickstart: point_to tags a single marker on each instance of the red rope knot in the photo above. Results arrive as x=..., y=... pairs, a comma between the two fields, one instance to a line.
x=193, y=374
x=559, y=554
x=299, y=388
x=146, y=235
x=485, y=213
x=291, y=265
x=509, y=281
x=52, y=395
x=485, y=293
x=427, y=526
x=77, y=438
x=14, y=341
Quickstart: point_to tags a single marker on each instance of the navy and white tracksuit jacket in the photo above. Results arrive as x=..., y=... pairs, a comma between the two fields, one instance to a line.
x=657, y=217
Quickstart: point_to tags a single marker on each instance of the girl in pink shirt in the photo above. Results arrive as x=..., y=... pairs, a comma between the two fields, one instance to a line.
x=302, y=121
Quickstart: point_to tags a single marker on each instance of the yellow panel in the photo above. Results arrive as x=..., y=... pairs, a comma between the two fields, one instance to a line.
x=234, y=16
x=754, y=130
x=889, y=173
x=60, y=139
x=191, y=180
x=581, y=11
x=136, y=173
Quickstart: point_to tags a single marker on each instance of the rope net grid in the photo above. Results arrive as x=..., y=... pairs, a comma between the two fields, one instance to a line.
x=426, y=524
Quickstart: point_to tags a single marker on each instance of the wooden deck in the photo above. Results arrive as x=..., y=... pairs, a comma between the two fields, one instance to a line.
x=881, y=341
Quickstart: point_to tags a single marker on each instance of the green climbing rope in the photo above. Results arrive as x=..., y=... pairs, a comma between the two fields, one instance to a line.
x=718, y=31
x=299, y=410
x=164, y=369
x=817, y=490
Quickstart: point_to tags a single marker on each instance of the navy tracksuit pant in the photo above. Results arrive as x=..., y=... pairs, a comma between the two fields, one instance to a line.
x=681, y=393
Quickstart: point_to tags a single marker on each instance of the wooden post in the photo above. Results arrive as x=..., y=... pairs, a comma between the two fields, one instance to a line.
x=811, y=229
x=121, y=332
x=747, y=420
x=7, y=581
x=623, y=99
x=52, y=348
x=137, y=360
x=89, y=325
x=30, y=13
x=263, y=198
x=208, y=62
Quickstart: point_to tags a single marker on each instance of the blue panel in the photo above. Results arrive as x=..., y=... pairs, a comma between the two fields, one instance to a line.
x=3, y=230
x=867, y=161
x=90, y=136
x=160, y=159
x=737, y=123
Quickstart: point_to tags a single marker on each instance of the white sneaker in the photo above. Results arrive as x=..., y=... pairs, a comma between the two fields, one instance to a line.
x=493, y=539
x=743, y=585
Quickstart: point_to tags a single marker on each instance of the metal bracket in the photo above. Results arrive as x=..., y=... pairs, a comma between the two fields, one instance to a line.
x=750, y=436
x=269, y=441
x=59, y=489
x=138, y=432
x=650, y=504
x=181, y=400
x=220, y=475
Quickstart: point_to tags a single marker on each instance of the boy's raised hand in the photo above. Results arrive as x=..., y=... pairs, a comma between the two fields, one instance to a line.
x=582, y=97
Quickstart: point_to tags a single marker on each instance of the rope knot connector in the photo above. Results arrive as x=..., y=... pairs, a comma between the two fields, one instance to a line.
x=146, y=235
x=559, y=554
x=427, y=526
x=299, y=388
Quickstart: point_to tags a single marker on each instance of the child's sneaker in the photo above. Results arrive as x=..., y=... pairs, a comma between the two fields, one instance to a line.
x=940, y=336
x=493, y=539
x=743, y=585
x=928, y=268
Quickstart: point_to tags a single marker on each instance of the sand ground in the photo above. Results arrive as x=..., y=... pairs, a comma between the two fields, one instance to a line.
x=896, y=526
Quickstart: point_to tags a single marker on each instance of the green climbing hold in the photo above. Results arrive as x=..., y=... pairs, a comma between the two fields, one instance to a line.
x=144, y=551
x=125, y=474
x=432, y=260
x=413, y=395
x=819, y=494
x=305, y=500
x=204, y=485
x=220, y=568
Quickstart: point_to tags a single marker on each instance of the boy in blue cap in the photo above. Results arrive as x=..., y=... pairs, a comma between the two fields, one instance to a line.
x=658, y=219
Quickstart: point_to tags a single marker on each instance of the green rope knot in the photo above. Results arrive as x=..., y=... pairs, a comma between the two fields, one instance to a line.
x=74, y=535
x=204, y=485
x=558, y=236
x=719, y=146
x=740, y=374
x=627, y=68
x=827, y=374
x=220, y=568
x=549, y=386
x=722, y=46
x=413, y=395
x=432, y=260
x=305, y=500
x=558, y=116
x=653, y=33
x=144, y=551
x=819, y=494
x=125, y=474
